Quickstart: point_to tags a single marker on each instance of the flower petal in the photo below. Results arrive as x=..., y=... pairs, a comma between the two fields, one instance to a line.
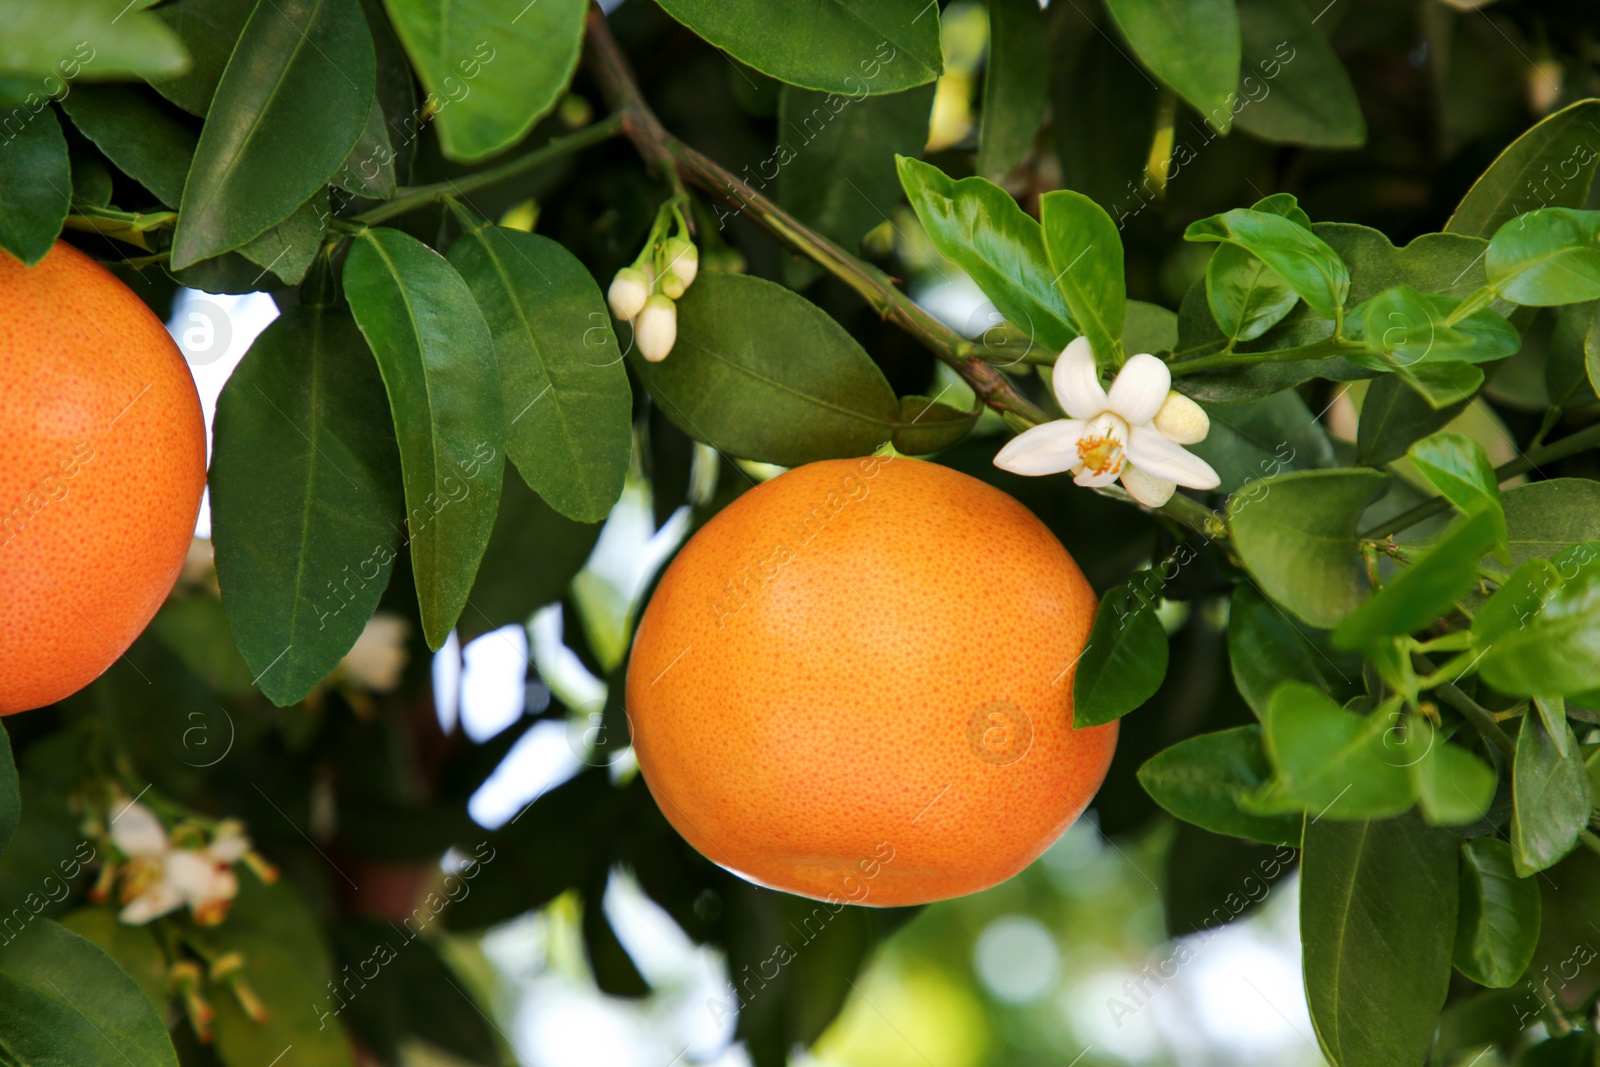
x=1160, y=458
x=1090, y=480
x=1076, y=380
x=191, y=873
x=1046, y=449
x=1151, y=492
x=138, y=833
x=160, y=899
x=1140, y=389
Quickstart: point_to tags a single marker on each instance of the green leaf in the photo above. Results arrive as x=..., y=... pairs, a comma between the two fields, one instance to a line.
x=1330, y=762
x=10, y=793
x=927, y=427
x=1252, y=441
x=1297, y=536
x=1540, y=632
x=135, y=948
x=1546, y=257
x=1016, y=85
x=35, y=187
x=1377, y=921
x=1458, y=467
x=1267, y=648
x=491, y=69
x=1426, y=589
x=866, y=47
x=1126, y=658
x=279, y=124
x=1302, y=259
x=1552, y=712
x=437, y=359
x=761, y=373
x=286, y=962
x=1149, y=327
x=288, y=248
x=1453, y=786
x=569, y=424
x=196, y=630
x=1497, y=927
x=89, y=39
x=837, y=157
x=305, y=496
x=1104, y=113
x=65, y=1002
x=1404, y=328
x=368, y=170
x=137, y=132
x=1550, y=794
x=1201, y=780
x=209, y=29
x=1164, y=36
x=1517, y=180
x=1573, y=350
x=1393, y=415
x=1246, y=296
x=1085, y=253
x=1442, y=385
x=1293, y=89
x=979, y=227
x=1543, y=518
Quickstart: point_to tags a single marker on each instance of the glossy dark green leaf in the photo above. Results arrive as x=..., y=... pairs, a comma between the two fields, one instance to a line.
x=1257, y=440
x=92, y=39
x=979, y=227
x=1266, y=648
x=35, y=187
x=1573, y=348
x=209, y=30
x=928, y=427
x=10, y=793
x=837, y=156
x=1103, y=115
x=1546, y=257
x=1443, y=384
x=437, y=359
x=368, y=170
x=492, y=69
x=1497, y=927
x=1329, y=762
x=1148, y=327
x=137, y=132
x=288, y=248
x=306, y=498
x=1550, y=793
x=761, y=373
x=1540, y=632
x=1517, y=180
x=1164, y=36
x=279, y=125
x=1403, y=328
x=1543, y=518
x=64, y=1002
x=285, y=962
x=1126, y=658
x=1428, y=588
x=569, y=426
x=1377, y=922
x=1292, y=88
x=1453, y=786
x=135, y=948
x=1016, y=85
x=1201, y=780
x=869, y=47
x=1296, y=533
x=1247, y=297
x=1302, y=259
x=1393, y=415
x=1085, y=254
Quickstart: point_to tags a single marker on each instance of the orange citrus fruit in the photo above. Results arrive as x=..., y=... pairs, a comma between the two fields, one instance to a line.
x=102, y=462
x=855, y=684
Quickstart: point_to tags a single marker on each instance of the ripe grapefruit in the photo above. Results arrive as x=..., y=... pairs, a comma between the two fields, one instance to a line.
x=102, y=462
x=855, y=684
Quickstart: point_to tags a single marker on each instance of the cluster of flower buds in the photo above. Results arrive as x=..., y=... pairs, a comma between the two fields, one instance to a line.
x=643, y=294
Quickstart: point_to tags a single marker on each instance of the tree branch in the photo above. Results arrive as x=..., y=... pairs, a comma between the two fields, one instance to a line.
x=678, y=163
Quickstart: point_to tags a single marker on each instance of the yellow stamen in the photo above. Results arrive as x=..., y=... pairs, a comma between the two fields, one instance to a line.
x=1100, y=455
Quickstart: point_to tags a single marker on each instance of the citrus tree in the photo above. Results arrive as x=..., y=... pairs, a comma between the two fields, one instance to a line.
x=1284, y=318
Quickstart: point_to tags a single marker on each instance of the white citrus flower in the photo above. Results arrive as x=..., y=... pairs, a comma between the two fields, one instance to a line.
x=657, y=328
x=1135, y=432
x=629, y=290
x=379, y=655
x=160, y=879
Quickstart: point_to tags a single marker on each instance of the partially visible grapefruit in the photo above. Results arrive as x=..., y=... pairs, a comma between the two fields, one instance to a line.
x=855, y=684
x=102, y=463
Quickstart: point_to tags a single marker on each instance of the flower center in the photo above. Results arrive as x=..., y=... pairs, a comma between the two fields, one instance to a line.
x=1101, y=454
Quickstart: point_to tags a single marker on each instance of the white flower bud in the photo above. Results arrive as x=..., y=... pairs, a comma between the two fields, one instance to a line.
x=672, y=285
x=683, y=261
x=656, y=328
x=628, y=293
x=1182, y=421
